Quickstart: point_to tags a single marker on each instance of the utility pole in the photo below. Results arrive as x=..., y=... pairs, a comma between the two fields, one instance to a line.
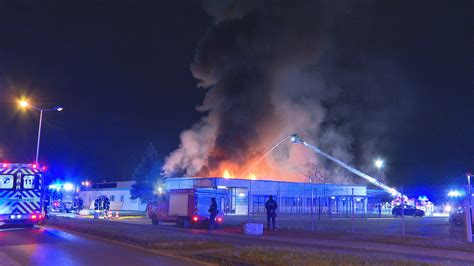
x=352, y=204
x=403, y=212
x=467, y=210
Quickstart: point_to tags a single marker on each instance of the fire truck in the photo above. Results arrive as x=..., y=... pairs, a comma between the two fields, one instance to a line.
x=187, y=207
x=21, y=193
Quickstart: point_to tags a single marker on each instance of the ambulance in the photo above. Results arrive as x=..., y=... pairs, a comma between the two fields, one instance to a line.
x=21, y=193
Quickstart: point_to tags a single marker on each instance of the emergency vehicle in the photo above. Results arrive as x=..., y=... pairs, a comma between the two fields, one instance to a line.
x=21, y=193
x=187, y=207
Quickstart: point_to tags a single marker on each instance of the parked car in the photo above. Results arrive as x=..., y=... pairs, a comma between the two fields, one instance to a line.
x=458, y=217
x=407, y=211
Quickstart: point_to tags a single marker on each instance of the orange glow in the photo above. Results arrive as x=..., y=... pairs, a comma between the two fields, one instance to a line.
x=226, y=174
x=270, y=168
x=252, y=176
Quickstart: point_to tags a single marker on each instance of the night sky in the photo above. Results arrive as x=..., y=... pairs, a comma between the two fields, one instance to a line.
x=121, y=70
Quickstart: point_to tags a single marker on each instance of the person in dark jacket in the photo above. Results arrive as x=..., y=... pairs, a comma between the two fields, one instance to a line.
x=271, y=207
x=46, y=205
x=213, y=213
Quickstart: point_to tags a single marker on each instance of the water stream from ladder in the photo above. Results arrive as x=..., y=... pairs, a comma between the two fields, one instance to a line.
x=263, y=156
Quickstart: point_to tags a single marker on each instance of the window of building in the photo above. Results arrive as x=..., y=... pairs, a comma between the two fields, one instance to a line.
x=122, y=198
x=112, y=198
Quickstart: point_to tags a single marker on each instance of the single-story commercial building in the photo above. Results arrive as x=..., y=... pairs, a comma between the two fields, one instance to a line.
x=117, y=192
x=292, y=197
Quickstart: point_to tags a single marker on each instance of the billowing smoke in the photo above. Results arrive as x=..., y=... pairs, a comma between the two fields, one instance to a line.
x=272, y=68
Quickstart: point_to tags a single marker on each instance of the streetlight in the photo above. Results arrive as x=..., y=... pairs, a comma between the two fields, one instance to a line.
x=26, y=104
x=378, y=163
x=467, y=210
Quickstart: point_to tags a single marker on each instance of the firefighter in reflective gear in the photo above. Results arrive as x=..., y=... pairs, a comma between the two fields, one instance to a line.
x=213, y=213
x=106, y=206
x=46, y=203
x=77, y=203
x=97, y=203
x=271, y=207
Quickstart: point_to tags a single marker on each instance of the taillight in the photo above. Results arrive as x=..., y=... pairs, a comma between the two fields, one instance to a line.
x=33, y=217
x=219, y=220
x=195, y=218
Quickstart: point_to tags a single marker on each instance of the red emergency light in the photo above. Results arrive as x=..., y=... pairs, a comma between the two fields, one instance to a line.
x=34, y=166
x=5, y=165
x=44, y=168
x=33, y=217
x=219, y=220
x=195, y=218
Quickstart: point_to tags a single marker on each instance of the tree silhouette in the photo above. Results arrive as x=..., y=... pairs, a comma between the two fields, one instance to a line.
x=147, y=176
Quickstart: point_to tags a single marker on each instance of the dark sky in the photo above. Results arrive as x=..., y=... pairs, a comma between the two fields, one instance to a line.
x=121, y=69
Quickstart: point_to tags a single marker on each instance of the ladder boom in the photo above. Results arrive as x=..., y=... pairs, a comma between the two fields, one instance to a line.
x=297, y=140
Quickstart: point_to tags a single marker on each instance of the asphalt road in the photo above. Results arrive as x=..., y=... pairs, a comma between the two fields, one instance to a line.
x=46, y=246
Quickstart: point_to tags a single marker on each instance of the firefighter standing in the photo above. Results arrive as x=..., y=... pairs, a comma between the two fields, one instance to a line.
x=46, y=203
x=96, y=208
x=271, y=207
x=213, y=213
x=77, y=204
x=106, y=205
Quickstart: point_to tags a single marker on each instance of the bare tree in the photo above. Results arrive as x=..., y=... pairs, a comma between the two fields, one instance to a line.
x=316, y=173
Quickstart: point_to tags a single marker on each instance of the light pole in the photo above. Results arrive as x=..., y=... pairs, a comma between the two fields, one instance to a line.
x=25, y=104
x=378, y=163
x=467, y=210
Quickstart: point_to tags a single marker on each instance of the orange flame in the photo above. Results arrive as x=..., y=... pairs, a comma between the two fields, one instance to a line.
x=252, y=176
x=268, y=169
x=227, y=174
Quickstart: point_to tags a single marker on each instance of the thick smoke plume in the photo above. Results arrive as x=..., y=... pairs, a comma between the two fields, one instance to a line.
x=272, y=68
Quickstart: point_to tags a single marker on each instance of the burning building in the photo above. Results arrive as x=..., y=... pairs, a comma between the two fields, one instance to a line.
x=291, y=197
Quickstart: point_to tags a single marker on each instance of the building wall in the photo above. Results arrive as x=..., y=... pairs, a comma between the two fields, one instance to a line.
x=119, y=198
x=291, y=197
